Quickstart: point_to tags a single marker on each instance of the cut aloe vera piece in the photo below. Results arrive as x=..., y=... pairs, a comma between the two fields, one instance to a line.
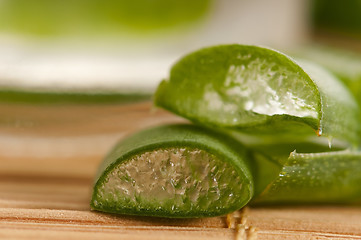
x=174, y=171
x=260, y=91
x=328, y=177
x=283, y=176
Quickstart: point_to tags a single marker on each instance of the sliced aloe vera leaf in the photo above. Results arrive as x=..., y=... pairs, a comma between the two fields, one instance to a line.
x=261, y=91
x=269, y=158
x=327, y=177
x=174, y=171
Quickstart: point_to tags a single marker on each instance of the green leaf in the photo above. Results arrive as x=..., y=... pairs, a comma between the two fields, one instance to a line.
x=327, y=177
x=259, y=91
x=271, y=161
x=342, y=63
x=174, y=171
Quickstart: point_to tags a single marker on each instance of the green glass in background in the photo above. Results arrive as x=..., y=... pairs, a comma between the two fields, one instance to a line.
x=337, y=16
x=95, y=17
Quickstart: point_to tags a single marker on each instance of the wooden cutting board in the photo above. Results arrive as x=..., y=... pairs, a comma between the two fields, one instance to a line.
x=47, y=170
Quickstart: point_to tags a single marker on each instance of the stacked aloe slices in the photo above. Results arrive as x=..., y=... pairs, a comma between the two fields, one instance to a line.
x=268, y=130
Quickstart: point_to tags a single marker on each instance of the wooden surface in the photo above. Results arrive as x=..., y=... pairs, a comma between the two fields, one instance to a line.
x=46, y=196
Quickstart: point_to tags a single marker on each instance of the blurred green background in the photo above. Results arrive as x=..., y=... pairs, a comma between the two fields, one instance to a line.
x=96, y=17
x=338, y=17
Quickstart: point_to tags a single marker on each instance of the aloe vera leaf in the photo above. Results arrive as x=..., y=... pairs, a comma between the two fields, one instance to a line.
x=344, y=64
x=174, y=171
x=313, y=174
x=269, y=158
x=327, y=177
x=259, y=90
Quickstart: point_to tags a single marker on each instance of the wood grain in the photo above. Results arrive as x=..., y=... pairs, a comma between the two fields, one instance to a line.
x=47, y=197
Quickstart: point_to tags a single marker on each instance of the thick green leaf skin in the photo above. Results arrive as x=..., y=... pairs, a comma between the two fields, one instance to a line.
x=177, y=136
x=340, y=111
x=259, y=90
x=342, y=63
x=316, y=178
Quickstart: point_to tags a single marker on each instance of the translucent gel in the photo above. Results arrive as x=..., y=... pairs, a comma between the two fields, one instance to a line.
x=258, y=86
x=172, y=179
